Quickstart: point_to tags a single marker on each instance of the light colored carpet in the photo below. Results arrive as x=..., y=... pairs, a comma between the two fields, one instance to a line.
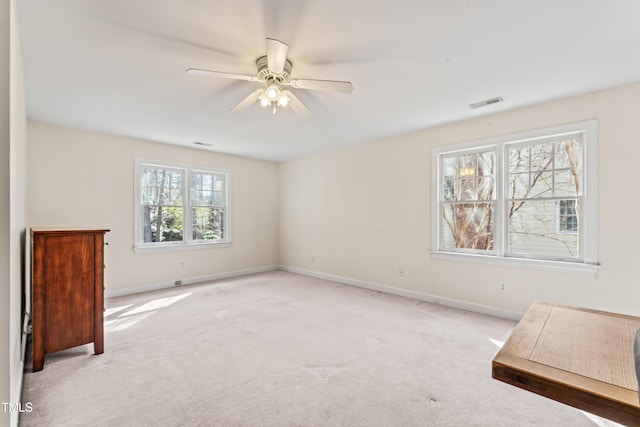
x=280, y=349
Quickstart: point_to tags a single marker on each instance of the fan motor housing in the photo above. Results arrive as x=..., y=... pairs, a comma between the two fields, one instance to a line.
x=265, y=74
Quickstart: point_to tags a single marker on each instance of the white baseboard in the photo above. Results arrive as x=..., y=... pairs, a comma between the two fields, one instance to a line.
x=449, y=302
x=16, y=396
x=110, y=293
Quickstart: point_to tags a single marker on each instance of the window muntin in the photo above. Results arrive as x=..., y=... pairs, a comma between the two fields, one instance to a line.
x=180, y=206
x=530, y=203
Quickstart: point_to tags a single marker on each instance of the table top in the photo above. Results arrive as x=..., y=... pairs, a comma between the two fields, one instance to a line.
x=577, y=356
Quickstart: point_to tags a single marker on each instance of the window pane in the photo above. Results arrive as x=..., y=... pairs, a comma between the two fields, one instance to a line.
x=567, y=153
x=541, y=184
x=218, y=183
x=565, y=184
x=148, y=195
x=207, y=181
x=486, y=188
x=541, y=156
x=519, y=159
x=148, y=176
x=196, y=182
x=467, y=189
x=532, y=230
x=467, y=165
x=486, y=163
x=467, y=226
x=208, y=223
x=218, y=199
x=448, y=190
x=162, y=224
x=518, y=185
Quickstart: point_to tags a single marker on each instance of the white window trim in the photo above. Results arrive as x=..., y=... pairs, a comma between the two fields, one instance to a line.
x=139, y=247
x=589, y=217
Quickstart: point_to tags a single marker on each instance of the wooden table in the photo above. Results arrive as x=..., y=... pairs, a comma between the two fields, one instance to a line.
x=580, y=357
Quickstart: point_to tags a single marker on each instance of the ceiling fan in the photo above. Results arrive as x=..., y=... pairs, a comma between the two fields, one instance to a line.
x=274, y=70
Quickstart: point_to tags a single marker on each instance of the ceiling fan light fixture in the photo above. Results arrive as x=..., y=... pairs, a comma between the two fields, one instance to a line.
x=283, y=100
x=272, y=92
x=274, y=70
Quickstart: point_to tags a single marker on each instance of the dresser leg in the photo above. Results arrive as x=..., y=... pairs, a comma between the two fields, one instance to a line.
x=98, y=347
x=38, y=360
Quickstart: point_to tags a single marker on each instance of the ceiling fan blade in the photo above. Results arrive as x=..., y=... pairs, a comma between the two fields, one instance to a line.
x=201, y=72
x=245, y=103
x=326, y=85
x=296, y=105
x=276, y=55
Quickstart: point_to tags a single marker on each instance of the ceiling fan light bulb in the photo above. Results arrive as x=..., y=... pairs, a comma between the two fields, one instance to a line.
x=272, y=92
x=283, y=101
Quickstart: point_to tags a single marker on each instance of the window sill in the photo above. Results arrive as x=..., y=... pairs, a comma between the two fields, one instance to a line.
x=180, y=247
x=516, y=262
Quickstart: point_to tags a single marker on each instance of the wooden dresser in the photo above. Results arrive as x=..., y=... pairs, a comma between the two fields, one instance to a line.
x=67, y=275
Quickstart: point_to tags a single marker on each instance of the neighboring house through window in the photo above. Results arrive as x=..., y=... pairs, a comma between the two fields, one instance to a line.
x=179, y=206
x=521, y=197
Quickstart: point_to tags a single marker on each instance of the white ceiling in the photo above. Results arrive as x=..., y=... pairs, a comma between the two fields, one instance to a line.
x=118, y=66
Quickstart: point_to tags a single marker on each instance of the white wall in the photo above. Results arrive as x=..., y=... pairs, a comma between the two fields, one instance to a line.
x=12, y=210
x=364, y=213
x=80, y=178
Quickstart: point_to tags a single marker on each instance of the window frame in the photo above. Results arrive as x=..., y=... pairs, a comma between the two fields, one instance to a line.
x=588, y=200
x=187, y=243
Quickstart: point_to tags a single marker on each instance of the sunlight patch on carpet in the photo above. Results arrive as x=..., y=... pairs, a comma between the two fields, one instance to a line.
x=156, y=304
x=109, y=311
x=122, y=323
x=499, y=344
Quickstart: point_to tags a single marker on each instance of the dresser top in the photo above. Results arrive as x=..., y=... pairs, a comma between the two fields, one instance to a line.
x=68, y=230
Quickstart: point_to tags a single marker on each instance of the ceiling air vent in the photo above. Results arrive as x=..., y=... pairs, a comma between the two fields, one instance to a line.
x=486, y=102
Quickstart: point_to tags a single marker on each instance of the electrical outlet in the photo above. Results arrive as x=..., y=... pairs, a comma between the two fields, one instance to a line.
x=401, y=271
x=503, y=286
x=181, y=264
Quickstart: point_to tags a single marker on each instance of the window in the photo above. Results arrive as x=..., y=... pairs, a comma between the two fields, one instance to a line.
x=567, y=216
x=178, y=206
x=522, y=197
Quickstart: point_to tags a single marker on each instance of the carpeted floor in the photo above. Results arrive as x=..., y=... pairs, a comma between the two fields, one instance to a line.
x=279, y=349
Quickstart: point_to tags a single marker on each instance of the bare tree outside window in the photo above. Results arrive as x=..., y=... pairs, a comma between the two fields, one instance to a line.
x=468, y=206
x=542, y=177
